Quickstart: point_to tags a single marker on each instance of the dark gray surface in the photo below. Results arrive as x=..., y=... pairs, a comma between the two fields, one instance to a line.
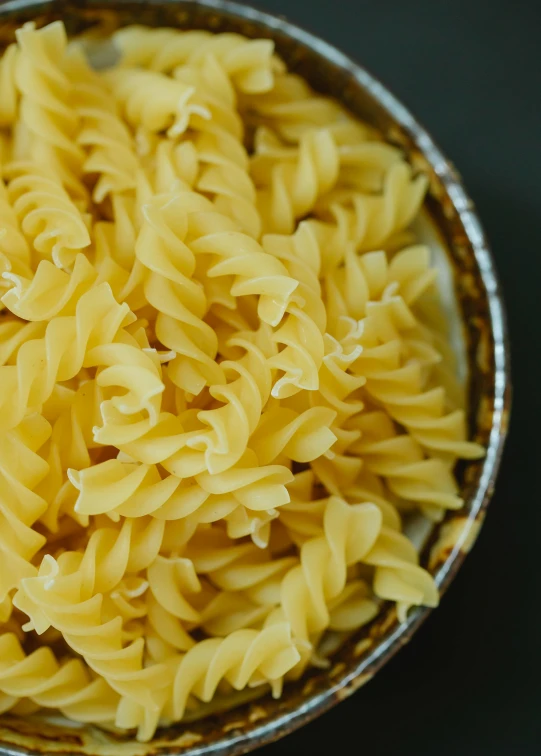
x=470, y=681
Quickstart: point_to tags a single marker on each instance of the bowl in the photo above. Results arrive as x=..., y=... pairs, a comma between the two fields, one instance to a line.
x=470, y=288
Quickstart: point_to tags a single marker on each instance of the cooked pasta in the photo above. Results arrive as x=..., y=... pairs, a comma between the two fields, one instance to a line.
x=225, y=379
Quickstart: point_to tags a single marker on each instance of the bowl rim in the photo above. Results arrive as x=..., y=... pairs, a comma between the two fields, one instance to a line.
x=282, y=723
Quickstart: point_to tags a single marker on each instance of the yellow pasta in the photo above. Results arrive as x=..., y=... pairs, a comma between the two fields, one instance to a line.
x=47, y=215
x=8, y=90
x=249, y=63
x=290, y=184
x=48, y=121
x=225, y=379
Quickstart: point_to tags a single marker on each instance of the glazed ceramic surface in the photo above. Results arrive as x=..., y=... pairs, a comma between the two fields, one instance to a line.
x=477, y=333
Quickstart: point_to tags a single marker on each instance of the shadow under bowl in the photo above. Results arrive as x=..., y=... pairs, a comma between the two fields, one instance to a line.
x=481, y=310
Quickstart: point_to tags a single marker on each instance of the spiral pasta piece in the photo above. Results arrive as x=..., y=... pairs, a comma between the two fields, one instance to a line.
x=199, y=441
x=289, y=189
x=218, y=142
x=60, y=352
x=400, y=390
x=136, y=490
x=50, y=291
x=110, y=148
x=243, y=397
x=291, y=108
x=15, y=256
x=245, y=497
x=46, y=213
x=125, y=366
x=339, y=392
x=67, y=594
x=66, y=686
x=398, y=385
x=248, y=63
x=254, y=271
x=398, y=576
x=110, y=154
x=399, y=459
x=392, y=361
x=369, y=220
x=238, y=256
x=45, y=109
x=229, y=390
x=227, y=180
x=366, y=288
x=301, y=333
x=303, y=517
x=154, y=102
x=73, y=415
x=22, y=469
x=179, y=300
x=351, y=534
x=351, y=290
x=350, y=531
x=245, y=657
x=110, y=554
x=133, y=490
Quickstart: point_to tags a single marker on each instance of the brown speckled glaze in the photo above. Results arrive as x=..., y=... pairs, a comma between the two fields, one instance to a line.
x=329, y=71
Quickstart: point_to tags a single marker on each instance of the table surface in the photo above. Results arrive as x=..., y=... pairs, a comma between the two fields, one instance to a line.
x=469, y=683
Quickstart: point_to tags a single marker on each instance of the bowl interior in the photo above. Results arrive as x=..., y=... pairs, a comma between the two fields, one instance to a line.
x=474, y=309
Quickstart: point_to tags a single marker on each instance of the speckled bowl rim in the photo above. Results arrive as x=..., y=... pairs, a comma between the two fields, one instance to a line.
x=281, y=723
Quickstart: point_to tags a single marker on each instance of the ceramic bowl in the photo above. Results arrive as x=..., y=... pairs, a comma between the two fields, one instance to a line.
x=470, y=287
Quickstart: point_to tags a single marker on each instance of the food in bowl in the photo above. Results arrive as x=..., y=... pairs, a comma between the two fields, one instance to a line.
x=225, y=376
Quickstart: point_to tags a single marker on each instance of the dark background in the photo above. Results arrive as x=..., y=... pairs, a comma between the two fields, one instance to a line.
x=469, y=683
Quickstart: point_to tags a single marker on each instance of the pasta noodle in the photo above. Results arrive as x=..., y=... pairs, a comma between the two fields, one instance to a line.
x=48, y=120
x=249, y=63
x=8, y=90
x=290, y=187
x=226, y=384
x=46, y=213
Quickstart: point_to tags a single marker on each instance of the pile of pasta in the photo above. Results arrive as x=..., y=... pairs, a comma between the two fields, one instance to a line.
x=225, y=384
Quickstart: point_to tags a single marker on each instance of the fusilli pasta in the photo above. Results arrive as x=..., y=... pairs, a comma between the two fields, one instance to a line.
x=225, y=380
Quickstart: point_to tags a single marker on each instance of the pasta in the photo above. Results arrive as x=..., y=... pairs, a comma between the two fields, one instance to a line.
x=46, y=214
x=225, y=379
x=48, y=124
